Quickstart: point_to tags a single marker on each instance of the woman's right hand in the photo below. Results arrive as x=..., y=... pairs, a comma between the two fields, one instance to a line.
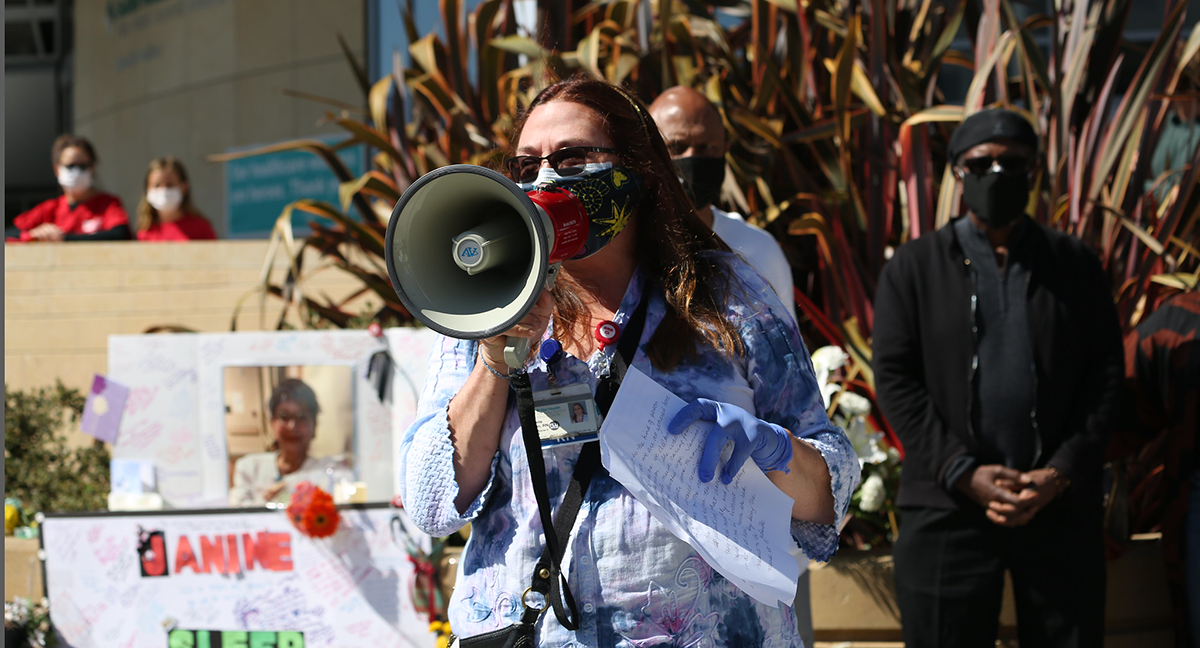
x=476, y=414
x=46, y=232
x=533, y=326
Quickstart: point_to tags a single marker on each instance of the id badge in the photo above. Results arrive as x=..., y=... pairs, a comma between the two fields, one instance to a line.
x=566, y=415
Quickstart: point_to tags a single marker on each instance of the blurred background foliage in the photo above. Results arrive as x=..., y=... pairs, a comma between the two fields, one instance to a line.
x=838, y=123
x=40, y=468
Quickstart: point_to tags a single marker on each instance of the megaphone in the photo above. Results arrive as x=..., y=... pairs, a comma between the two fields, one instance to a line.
x=469, y=252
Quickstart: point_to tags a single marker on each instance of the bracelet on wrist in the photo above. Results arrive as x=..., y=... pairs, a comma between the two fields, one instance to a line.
x=489, y=368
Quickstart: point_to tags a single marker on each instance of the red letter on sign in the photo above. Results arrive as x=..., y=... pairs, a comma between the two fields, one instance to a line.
x=275, y=551
x=212, y=552
x=231, y=555
x=253, y=550
x=185, y=557
x=154, y=559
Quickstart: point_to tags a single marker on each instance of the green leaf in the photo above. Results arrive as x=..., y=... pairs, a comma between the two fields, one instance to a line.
x=825, y=128
x=519, y=45
x=936, y=114
x=367, y=183
x=1136, y=97
x=360, y=72
x=369, y=239
x=377, y=99
x=949, y=31
x=843, y=70
x=983, y=73
x=1178, y=280
x=367, y=135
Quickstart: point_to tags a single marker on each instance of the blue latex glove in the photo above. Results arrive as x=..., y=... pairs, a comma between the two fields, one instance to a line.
x=769, y=445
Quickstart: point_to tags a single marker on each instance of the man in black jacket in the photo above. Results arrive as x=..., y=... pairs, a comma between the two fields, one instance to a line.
x=997, y=357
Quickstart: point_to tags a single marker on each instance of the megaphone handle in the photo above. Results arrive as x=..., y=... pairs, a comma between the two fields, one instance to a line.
x=516, y=351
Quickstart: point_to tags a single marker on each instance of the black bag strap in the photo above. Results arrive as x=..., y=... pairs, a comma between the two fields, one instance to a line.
x=548, y=579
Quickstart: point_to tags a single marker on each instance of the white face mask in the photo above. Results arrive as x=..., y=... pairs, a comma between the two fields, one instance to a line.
x=77, y=179
x=165, y=198
x=548, y=174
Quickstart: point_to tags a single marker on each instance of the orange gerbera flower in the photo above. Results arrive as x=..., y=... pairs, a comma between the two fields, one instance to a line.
x=313, y=512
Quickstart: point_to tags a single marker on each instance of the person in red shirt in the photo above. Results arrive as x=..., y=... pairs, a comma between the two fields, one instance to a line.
x=82, y=213
x=166, y=212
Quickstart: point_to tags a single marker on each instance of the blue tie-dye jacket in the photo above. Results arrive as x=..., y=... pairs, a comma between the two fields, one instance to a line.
x=635, y=583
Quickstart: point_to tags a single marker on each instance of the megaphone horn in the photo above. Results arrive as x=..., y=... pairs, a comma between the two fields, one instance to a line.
x=469, y=252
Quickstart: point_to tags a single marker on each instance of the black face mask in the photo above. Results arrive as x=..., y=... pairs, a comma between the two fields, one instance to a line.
x=702, y=178
x=997, y=199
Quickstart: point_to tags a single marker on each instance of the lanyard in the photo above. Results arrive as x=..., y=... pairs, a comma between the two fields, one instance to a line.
x=548, y=578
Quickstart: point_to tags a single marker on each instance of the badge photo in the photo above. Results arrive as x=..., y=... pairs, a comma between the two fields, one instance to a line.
x=566, y=415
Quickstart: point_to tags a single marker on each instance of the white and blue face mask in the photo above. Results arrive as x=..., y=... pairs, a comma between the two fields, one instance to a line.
x=610, y=195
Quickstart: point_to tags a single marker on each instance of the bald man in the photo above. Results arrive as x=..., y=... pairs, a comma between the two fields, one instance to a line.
x=695, y=136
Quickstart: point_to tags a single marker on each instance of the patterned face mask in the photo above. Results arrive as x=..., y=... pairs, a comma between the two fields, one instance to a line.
x=610, y=194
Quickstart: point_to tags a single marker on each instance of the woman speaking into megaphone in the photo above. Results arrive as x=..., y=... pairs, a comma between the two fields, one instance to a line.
x=652, y=288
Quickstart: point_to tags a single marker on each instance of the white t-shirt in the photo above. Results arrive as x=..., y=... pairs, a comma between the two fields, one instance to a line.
x=255, y=472
x=760, y=250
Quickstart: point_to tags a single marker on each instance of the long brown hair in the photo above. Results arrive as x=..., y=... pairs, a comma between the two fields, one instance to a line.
x=671, y=238
x=147, y=215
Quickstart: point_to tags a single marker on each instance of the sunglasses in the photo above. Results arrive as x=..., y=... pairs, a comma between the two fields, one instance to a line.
x=1008, y=165
x=565, y=161
x=77, y=167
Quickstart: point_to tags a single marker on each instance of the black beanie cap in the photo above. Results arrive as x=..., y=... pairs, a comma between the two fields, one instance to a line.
x=988, y=126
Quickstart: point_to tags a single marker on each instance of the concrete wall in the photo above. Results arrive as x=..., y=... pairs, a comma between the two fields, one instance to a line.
x=63, y=300
x=191, y=78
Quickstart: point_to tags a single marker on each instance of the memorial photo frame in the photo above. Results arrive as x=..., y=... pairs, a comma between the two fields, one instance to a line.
x=175, y=415
x=312, y=420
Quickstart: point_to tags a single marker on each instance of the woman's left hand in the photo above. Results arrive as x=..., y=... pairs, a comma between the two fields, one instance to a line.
x=769, y=445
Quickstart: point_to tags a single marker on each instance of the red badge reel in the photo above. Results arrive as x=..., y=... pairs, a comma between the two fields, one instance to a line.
x=606, y=333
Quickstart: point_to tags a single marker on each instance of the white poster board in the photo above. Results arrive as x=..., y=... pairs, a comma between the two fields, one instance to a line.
x=174, y=414
x=233, y=572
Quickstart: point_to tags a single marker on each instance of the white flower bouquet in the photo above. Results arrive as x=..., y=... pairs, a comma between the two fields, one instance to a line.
x=871, y=522
x=27, y=623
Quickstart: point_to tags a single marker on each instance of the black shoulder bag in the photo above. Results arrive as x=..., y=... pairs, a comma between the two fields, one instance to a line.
x=548, y=582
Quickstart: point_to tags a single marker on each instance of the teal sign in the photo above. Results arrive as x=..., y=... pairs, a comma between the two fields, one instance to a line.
x=258, y=188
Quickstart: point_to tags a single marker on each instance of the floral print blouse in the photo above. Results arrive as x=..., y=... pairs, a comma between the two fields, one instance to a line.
x=635, y=584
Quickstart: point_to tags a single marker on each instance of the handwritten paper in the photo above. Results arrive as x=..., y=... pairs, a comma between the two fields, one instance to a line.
x=741, y=529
